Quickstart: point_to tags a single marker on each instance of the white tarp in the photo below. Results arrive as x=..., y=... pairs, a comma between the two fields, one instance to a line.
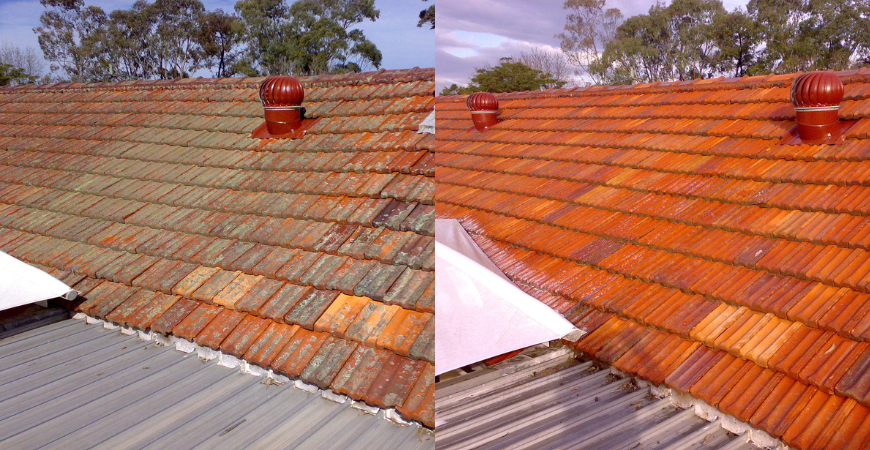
x=21, y=284
x=480, y=312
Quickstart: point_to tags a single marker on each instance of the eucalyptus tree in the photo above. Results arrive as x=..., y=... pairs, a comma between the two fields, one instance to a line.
x=427, y=17
x=589, y=27
x=307, y=37
x=220, y=36
x=74, y=38
x=802, y=35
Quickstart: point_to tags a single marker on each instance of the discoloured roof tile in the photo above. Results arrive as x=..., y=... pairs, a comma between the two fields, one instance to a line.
x=340, y=314
x=148, y=310
x=378, y=281
x=262, y=291
x=424, y=344
x=214, y=285
x=125, y=310
x=189, y=284
x=174, y=315
x=287, y=297
x=109, y=301
x=219, y=328
x=310, y=308
x=395, y=381
x=236, y=290
x=328, y=361
x=360, y=371
x=192, y=324
x=164, y=275
x=269, y=343
x=299, y=351
x=154, y=204
x=401, y=338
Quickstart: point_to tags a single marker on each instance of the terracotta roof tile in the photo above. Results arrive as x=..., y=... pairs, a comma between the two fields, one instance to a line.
x=328, y=361
x=299, y=351
x=306, y=312
x=219, y=328
x=109, y=301
x=194, y=322
x=124, y=311
x=269, y=343
x=261, y=292
x=849, y=435
x=174, y=315
x=285, y=299
x=214, y=285
x=360, y=371
x=340, y=314
x=236, y=290
x=684, y=228
x=155, y=203
x=395, y=381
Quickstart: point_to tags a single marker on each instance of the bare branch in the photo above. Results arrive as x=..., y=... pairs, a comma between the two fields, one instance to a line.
x=26, y=59
x=553, y=63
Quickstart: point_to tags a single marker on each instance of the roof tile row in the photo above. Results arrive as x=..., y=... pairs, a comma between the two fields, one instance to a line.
x=153, y=201
x=699, y=252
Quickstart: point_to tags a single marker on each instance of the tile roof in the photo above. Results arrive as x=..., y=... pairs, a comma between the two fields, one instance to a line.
x=514, y=404
x=73, y=385
x=669, y=222
x=308, y=256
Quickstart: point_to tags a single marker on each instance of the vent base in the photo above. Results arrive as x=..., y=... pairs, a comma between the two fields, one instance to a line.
x=262, y=132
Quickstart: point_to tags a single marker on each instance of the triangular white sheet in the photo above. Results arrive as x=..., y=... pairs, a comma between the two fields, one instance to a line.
x=480, y=312
x=21, y=284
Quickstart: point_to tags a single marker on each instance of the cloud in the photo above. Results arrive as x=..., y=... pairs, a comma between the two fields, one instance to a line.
x=520, y=25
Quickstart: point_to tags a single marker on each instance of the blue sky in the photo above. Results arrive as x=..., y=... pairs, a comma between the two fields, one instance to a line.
x=395, y=32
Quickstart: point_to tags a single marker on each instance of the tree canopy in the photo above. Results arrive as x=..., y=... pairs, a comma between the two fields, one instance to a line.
x=427, y=17
x=508, y=76
x=174, y=38
x=73, y=37
x=588, y=27
x=690, y=39
x=10, y=75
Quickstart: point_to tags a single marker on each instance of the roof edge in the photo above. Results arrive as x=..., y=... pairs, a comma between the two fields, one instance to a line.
x=706, y=84
x=382, y=76
x=222, y=359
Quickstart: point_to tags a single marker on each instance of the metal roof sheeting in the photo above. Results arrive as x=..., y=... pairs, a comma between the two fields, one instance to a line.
x=71, y=385
x=553, y=401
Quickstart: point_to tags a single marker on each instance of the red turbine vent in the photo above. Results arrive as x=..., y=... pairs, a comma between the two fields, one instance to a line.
x=482, y=101
x=484, y=110
x=816, y=97
x=817, y=90
x=282, y=91
x=282, y=101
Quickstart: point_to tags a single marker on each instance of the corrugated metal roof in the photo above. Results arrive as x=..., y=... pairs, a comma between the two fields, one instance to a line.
x=554, y=401
x=71, y=385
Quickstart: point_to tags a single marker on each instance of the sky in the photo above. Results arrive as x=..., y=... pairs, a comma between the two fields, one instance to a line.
x=395, y=33
x=474, y=33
